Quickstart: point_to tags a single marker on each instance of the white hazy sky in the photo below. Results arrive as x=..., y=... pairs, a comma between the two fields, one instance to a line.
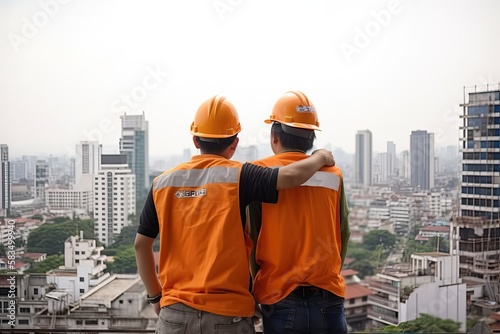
x=69, y=69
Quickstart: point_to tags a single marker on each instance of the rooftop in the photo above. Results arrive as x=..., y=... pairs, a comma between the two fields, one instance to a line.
x=348, y=272
x=432, y=254
x=436, y=229
x=109, y=290
x=356, y=291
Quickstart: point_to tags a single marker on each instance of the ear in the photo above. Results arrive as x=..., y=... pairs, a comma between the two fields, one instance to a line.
x=235, y=143
x=195, y=143
x=274, y=137
x=229, y=151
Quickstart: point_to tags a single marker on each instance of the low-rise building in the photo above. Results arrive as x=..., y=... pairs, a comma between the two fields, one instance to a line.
x=433, y=287
x=117, y=303
x=356, y=300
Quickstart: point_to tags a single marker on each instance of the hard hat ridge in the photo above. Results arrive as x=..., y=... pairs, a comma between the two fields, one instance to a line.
x=216, y=118
x=294, y=109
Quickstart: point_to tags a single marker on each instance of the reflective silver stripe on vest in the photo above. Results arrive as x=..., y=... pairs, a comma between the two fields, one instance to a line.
x=197, y=177
x=323, y=179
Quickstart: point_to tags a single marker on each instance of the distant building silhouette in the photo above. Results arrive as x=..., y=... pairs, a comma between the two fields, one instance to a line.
x=5, y=181
x=422, y=159
x=134, y=142
x=363, y=158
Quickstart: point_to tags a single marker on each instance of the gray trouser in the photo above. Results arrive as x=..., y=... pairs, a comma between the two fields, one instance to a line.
x=181, y=319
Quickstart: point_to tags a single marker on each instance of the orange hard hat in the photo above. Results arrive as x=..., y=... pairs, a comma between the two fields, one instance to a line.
x=294, y=109
x=216, y=118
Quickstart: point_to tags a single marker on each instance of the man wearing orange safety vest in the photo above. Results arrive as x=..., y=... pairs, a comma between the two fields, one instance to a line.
x=197, y=208
x=300, y=243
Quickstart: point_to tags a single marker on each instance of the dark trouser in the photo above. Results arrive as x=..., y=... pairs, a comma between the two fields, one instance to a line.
x=180, y=319
x=307, y=309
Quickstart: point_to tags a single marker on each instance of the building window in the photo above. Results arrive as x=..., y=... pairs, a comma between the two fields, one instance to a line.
x=82, y=279
x=351, y=301
x=91, y=322
x=121, y=301
x=77, y=261
x=35, y=291
x=24, y=322
x=24, y=310
x=77, y=252
x=79, y=322
x=82, y=290
x=365, y=298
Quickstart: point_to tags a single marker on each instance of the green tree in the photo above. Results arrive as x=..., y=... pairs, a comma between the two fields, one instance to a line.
x=51, y=262
x=413, y=246
x=124, y=262
x=124, y=240
x=376, y=237
x=50, y=237
x=364, y=267
x=356, y=251
x=424, y=324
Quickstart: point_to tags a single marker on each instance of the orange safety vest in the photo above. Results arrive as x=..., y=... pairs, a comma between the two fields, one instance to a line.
x=203, y=262
x=300, y=240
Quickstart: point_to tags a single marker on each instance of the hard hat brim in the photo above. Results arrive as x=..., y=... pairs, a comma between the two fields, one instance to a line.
x=215, y=136
x=294, y=125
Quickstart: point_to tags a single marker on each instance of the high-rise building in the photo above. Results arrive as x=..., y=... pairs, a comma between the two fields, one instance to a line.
x=392, y=165
x=363, y=160
x=422, y=159
x=19, y=170
x=476, y=229
x=87, y=162
x=31, y=161
x=404, y=165
x=41, y=180
x=134, y=143
x=5, y=179
x=114, y=197
x=379, y=170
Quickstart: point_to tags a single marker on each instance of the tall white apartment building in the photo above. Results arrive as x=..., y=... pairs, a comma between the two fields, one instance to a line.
x=114, y=197
x=87, y=162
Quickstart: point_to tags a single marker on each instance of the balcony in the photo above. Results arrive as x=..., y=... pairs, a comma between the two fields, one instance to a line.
x=383, y=302
x=385, y=287
x=380, y=317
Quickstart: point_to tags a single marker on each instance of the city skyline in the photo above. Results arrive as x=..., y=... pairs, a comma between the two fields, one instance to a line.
x=389, y=66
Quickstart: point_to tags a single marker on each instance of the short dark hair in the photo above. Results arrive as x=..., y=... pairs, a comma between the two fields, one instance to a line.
x=214, y=145
x=304, y=142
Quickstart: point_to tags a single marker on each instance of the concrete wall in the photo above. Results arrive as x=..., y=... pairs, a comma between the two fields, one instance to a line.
x=446, y=302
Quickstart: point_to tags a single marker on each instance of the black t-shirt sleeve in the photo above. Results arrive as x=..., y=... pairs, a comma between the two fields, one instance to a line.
x=258, y=184
x=148, y=223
